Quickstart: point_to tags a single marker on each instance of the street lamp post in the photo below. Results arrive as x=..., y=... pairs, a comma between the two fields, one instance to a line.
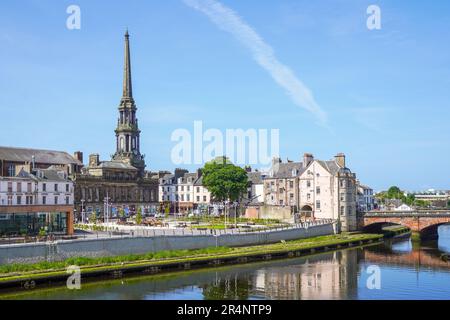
x=106, y=209
x=82, y=211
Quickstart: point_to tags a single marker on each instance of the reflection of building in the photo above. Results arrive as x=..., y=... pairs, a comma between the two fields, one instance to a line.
x=31, y=201
x=333, y=276
x=122, y=181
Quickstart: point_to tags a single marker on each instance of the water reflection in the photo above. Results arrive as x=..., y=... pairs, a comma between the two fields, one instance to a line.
x=408, y=271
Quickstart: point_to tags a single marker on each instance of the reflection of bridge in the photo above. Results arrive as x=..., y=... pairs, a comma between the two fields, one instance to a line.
x=424, y=222
x=417, y=258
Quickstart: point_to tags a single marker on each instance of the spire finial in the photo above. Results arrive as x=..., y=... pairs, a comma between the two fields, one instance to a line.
x=127, y=87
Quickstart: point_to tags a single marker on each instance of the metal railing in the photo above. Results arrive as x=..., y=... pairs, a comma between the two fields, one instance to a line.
x=149, y=232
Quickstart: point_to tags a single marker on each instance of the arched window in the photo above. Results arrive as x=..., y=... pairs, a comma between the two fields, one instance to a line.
x=122, y=144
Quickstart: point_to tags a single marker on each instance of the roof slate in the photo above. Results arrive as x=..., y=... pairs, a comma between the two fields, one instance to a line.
x=41, y=156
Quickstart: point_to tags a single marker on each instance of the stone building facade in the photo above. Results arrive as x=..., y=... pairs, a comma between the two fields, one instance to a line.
x=314, y=189
x=123, y=182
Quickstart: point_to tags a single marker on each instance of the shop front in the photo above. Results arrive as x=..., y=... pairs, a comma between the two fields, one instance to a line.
x=33, y=220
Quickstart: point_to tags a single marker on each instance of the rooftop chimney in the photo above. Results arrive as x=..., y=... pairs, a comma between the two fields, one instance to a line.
x=78, y=155
x=307, y=159
x=276, y=160
x=340, y=159
x=94, y=160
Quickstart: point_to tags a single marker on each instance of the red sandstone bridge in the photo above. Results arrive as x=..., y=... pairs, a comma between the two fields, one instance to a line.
x=425, y=222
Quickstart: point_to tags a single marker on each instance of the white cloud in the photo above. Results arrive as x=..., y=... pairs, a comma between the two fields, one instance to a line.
x=228, y=20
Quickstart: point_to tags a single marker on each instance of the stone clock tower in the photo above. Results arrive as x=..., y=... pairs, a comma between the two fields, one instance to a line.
x=127, y=131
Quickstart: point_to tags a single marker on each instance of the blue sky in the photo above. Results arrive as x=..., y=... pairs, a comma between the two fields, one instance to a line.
x=385, y=92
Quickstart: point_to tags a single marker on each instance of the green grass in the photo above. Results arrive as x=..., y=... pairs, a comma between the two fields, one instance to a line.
x=45, y=269
x=83, y=261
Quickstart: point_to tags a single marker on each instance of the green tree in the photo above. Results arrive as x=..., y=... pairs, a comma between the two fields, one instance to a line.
x=395, y=193
x=410, y=199
x=224, y=180
x=121, y=213
x=448, y=203
x=139, y=216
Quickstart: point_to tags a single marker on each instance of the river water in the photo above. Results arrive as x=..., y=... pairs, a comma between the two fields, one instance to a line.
x=406, y=270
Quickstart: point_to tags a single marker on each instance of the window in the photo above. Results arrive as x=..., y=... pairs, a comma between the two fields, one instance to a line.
x=318, y=190
x=56, y=187
x=291, y=196
x=19, y=200
x=281, y=202
x=318, y=204
x=342, y=210
x=308, y=196
x=19, y=186
x=29, y=200
x=188, y=198
x=56, y=200
x=44, y=200
x=308, y=184
x=182, y=197
x=67, y=188
x=342, y=183
x=67, y=200
x=342, y=197
x=198, y=198
x=198, y=189
x=188, y=188
x=44, y=187
x=291, y=184
x=12, y=170
x=204, y=198
x=9, y=200
x=29, y=187
x=10, y=189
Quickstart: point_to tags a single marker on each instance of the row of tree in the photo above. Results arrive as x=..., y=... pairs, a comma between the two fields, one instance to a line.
x=395, y=193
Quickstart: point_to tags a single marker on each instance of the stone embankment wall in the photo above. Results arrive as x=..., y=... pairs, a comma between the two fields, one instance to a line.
x=56, y=251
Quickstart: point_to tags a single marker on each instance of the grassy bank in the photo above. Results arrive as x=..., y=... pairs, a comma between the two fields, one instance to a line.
x=17, y=272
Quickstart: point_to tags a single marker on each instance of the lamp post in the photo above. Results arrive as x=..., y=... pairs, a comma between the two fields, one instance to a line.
x=82, y=211
x=106, y=209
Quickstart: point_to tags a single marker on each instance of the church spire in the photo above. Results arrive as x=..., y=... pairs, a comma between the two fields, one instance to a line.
x=127, y=87
x=127, y=131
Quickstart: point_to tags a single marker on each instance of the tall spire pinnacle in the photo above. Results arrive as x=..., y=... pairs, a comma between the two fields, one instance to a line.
x=127, y=87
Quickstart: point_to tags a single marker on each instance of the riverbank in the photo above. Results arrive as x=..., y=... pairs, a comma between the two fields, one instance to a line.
x=31, y=276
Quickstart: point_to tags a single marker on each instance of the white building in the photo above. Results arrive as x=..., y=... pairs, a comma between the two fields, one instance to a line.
x=42, y=187
x=35, y=202
x=366, y=199
x=183, y=192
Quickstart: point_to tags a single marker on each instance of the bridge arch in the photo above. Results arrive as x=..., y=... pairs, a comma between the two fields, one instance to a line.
x=431, y=232
x=376, y=227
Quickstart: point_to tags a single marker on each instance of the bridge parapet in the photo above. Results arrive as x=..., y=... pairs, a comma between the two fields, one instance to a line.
x=416, y=213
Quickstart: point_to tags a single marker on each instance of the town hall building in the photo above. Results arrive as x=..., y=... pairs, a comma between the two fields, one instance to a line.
x=122, y=183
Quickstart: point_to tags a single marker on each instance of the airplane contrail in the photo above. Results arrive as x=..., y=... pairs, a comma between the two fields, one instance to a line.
x=229, y=21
